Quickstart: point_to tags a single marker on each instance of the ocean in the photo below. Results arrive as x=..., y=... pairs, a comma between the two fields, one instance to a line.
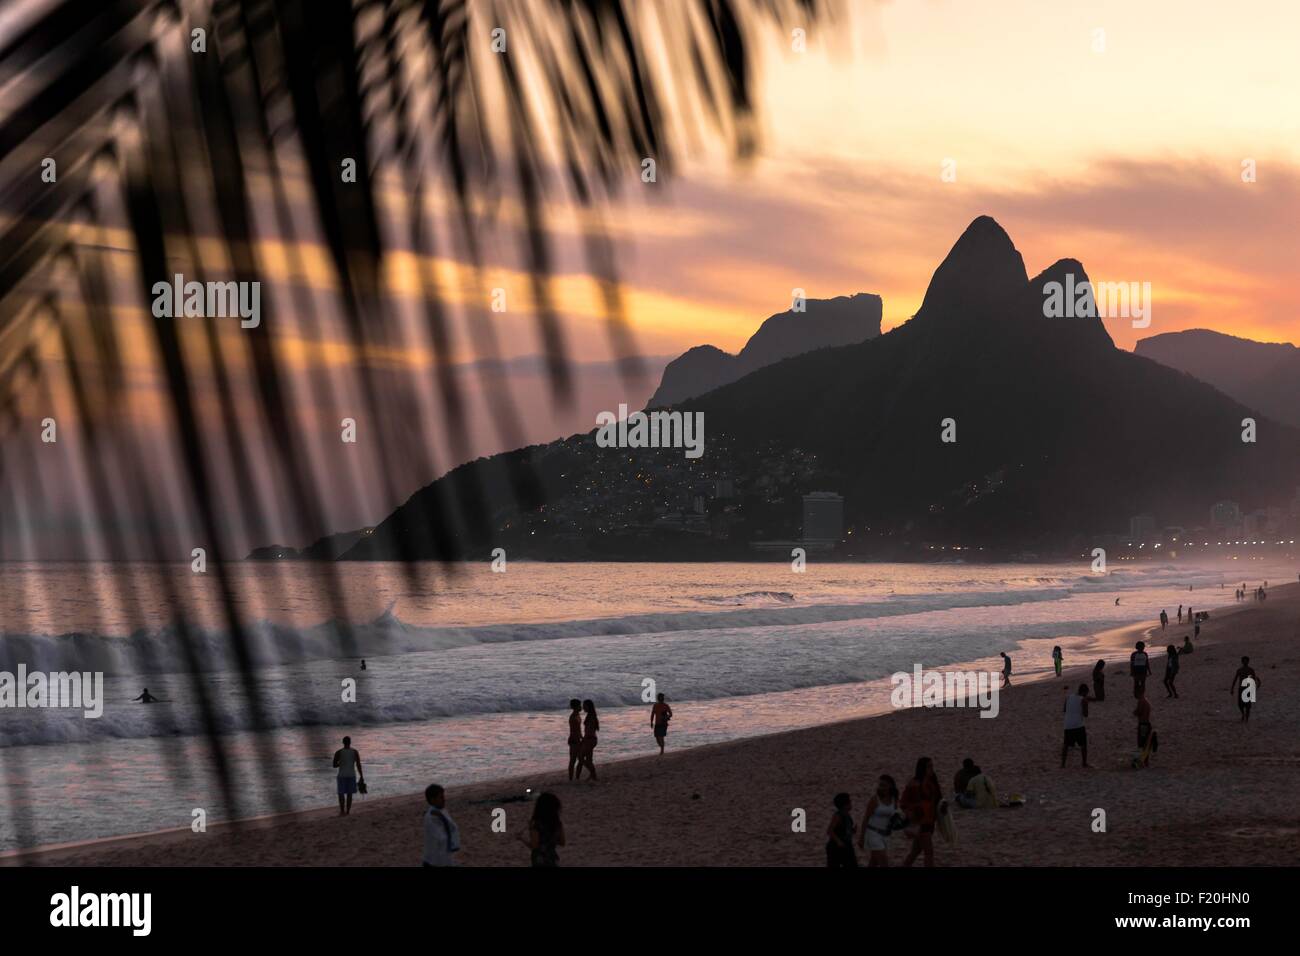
x=469, y=671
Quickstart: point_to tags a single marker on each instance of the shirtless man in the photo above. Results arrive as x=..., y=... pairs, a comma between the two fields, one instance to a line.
x=575, y=734
x=660, y=714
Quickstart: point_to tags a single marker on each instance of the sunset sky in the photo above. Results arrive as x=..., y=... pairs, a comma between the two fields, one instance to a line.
x=1110, y=132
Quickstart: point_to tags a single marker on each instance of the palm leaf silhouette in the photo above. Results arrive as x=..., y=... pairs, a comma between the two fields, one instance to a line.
x=174, y=160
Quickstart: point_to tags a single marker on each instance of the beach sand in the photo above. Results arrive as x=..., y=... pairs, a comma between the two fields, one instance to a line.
x=1217, y=793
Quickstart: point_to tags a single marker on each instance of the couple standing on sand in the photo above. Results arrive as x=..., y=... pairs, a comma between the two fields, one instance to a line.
x=582, y=737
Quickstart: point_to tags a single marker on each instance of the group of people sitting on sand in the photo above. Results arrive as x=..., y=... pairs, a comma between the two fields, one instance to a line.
x=917, y=812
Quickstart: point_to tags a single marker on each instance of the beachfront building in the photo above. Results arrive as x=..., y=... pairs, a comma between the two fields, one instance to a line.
x=1224, y=515
x=1141, y=527
x=823, y=516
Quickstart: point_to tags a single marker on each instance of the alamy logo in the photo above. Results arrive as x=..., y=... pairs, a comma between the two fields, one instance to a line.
x=1088, y=300
x=72, y=909
x=923, y=688
x=57, y=689
x=213, y=299
x=652, y=430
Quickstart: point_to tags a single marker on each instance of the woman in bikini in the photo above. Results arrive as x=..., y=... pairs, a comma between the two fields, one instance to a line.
x=590, y=725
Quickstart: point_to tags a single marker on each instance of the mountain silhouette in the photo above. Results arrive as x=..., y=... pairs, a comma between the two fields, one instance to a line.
x=1261, y=375
x=844, y=320
x=1060, y=438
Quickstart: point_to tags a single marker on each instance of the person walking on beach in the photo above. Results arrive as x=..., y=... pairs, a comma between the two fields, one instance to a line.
x=1057, y=659
x=1164, y=619
x=839, y=834
x=441, y=835
x=590, y=725
x=1245, y=684
x=878, y=821
x=920, y=802
x=1171, y=670
x=1076, y=711
x=1139, y=665
x=545, y=831
x=575, y=734
x=1006, y=669
x=660, y=714
x=1099, y=681
x=1143, y=714
x=1180, y=614
x=348, y=760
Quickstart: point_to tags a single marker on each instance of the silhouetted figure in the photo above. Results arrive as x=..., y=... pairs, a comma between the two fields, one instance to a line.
x=590, y=725
x=1139, y=665
x=1006, y=669
x=1164, y=619
x=1187, y=647
x=575, y=734
x=1171, y=670
x=1245, y=685
x=545, y=831
x=963, y=776
x=920, y=802
x=1099, y=681
x=145, y=698
x=1076, y=733
x=348, y=762
x=1143, y=714
x=839, y=834
x=1057, y=659
x=1180, y=614
x=363, y=663
x=880, y=819
x=660, y=714
x=441, y=835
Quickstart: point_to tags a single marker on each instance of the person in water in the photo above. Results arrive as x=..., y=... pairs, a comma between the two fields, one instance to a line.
x=363, y=663
x=1076, y=734
x=1171, y=670
x=1099, y=681
x=145, y=698
x=348, y=761
x=545, y=831
x=575, y=734
x=839, y=834
x=1006, y=669
x=920, y=803
x=590, y=725
x=1057, y=659
x=878, y=821
x=1245, y=684
x=1139, y=665
x=660, y=714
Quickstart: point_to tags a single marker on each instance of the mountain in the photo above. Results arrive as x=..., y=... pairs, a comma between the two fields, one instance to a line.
x=1261, y=375
x=1060, y=438
x=327, y=548
x=844, y=320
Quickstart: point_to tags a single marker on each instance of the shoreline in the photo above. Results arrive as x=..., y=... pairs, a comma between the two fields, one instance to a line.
x=687, y=784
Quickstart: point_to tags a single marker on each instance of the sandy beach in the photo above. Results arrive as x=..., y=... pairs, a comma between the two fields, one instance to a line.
x=1217, y=793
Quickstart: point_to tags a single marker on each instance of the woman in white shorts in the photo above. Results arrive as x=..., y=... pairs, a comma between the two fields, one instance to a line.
x=874, y=834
